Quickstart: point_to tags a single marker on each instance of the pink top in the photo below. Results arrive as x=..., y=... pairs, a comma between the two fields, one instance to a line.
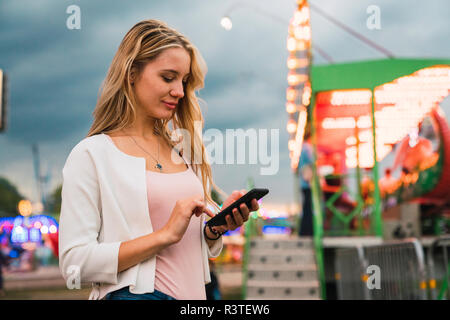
x=179, y=267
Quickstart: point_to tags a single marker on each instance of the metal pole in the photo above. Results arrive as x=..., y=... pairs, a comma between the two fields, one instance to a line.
x=358, y=179
x=377, y=218
x=317, y=208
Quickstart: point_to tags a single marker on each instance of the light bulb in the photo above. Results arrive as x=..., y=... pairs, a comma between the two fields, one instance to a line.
x=226, y=23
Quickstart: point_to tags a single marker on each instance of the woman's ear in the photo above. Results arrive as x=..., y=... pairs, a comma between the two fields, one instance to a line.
x=132, y=76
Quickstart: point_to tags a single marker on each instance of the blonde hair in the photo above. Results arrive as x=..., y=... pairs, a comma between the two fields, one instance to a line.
x=116, y=104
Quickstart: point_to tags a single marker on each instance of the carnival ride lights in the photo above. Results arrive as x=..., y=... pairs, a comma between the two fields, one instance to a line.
x=400, y=106
x=351, y=97
x=365, y=155
x=276, y=230
x=298, y=93
x=438, y=190
x=29, y=229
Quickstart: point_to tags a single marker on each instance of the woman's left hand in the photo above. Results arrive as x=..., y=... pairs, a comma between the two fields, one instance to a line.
x=238, y=217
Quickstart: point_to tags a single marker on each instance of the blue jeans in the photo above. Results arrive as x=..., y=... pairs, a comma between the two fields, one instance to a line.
x=125, y=294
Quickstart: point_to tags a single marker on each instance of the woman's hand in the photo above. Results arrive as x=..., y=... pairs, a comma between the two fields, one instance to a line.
x=238, y=217
x=181, y=216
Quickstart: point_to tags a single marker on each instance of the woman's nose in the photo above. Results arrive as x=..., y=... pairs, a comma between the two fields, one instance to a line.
x=178, y=91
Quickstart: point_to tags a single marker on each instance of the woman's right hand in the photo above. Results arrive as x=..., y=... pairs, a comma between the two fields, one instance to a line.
x=181, y=216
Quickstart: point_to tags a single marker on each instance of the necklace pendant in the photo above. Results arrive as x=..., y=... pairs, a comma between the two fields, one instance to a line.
x=158, y=166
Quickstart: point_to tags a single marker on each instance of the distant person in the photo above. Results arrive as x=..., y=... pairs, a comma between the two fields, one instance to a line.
x=133, y=207
x=367, y=186
x=306, y=175
x=388, y=184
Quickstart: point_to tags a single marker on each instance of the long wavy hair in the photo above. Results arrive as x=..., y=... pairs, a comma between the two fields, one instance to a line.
x=116, y=104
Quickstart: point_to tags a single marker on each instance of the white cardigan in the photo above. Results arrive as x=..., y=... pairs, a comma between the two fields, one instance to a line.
x=104, y=202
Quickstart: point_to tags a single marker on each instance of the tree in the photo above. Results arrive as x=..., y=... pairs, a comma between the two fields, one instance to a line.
x=54, y=202
x=9, y=199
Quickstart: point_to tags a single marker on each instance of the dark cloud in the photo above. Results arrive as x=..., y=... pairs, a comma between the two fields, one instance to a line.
x=55, y=73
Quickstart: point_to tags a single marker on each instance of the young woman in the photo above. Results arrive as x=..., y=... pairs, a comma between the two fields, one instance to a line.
x=133, y=205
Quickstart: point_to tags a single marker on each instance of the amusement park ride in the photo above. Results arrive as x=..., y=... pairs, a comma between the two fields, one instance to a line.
x=359, y=115
x=361, y=118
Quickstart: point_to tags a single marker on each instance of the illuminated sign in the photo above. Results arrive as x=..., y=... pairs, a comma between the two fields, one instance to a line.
x=345, y=121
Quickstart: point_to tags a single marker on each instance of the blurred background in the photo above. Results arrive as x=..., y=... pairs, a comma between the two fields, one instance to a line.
x=55, y=54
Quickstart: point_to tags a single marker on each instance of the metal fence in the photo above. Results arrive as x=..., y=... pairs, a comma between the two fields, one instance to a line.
x=394, y=270
x=350, y=284
x=439, y=268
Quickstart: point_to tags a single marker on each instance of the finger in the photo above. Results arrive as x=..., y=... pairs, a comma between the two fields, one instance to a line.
x=198, y=207
x=197, y=211
x=244, y=212
x=231, y=225
x=238, y=220
x=243, y=191
x=198, y=203
x=232, y=198
x=208, y=212
x=202, y=208
x=236, y=194
x=255, y=205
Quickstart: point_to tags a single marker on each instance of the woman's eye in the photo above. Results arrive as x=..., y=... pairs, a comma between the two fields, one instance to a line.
x=170, y=80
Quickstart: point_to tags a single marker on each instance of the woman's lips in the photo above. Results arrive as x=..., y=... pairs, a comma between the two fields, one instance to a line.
x=170, y=106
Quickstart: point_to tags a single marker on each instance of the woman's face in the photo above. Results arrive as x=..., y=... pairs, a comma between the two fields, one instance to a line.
x=162, y=80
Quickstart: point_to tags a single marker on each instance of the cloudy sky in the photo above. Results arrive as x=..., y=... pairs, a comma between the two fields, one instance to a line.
x=55, y=73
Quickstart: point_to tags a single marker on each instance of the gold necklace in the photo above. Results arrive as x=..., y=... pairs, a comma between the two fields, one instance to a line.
x=158, y=165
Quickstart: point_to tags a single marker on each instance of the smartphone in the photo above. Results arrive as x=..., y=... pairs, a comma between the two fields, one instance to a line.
x=219, y=219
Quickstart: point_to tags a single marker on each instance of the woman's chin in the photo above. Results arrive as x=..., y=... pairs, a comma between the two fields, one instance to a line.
x=167, y=116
